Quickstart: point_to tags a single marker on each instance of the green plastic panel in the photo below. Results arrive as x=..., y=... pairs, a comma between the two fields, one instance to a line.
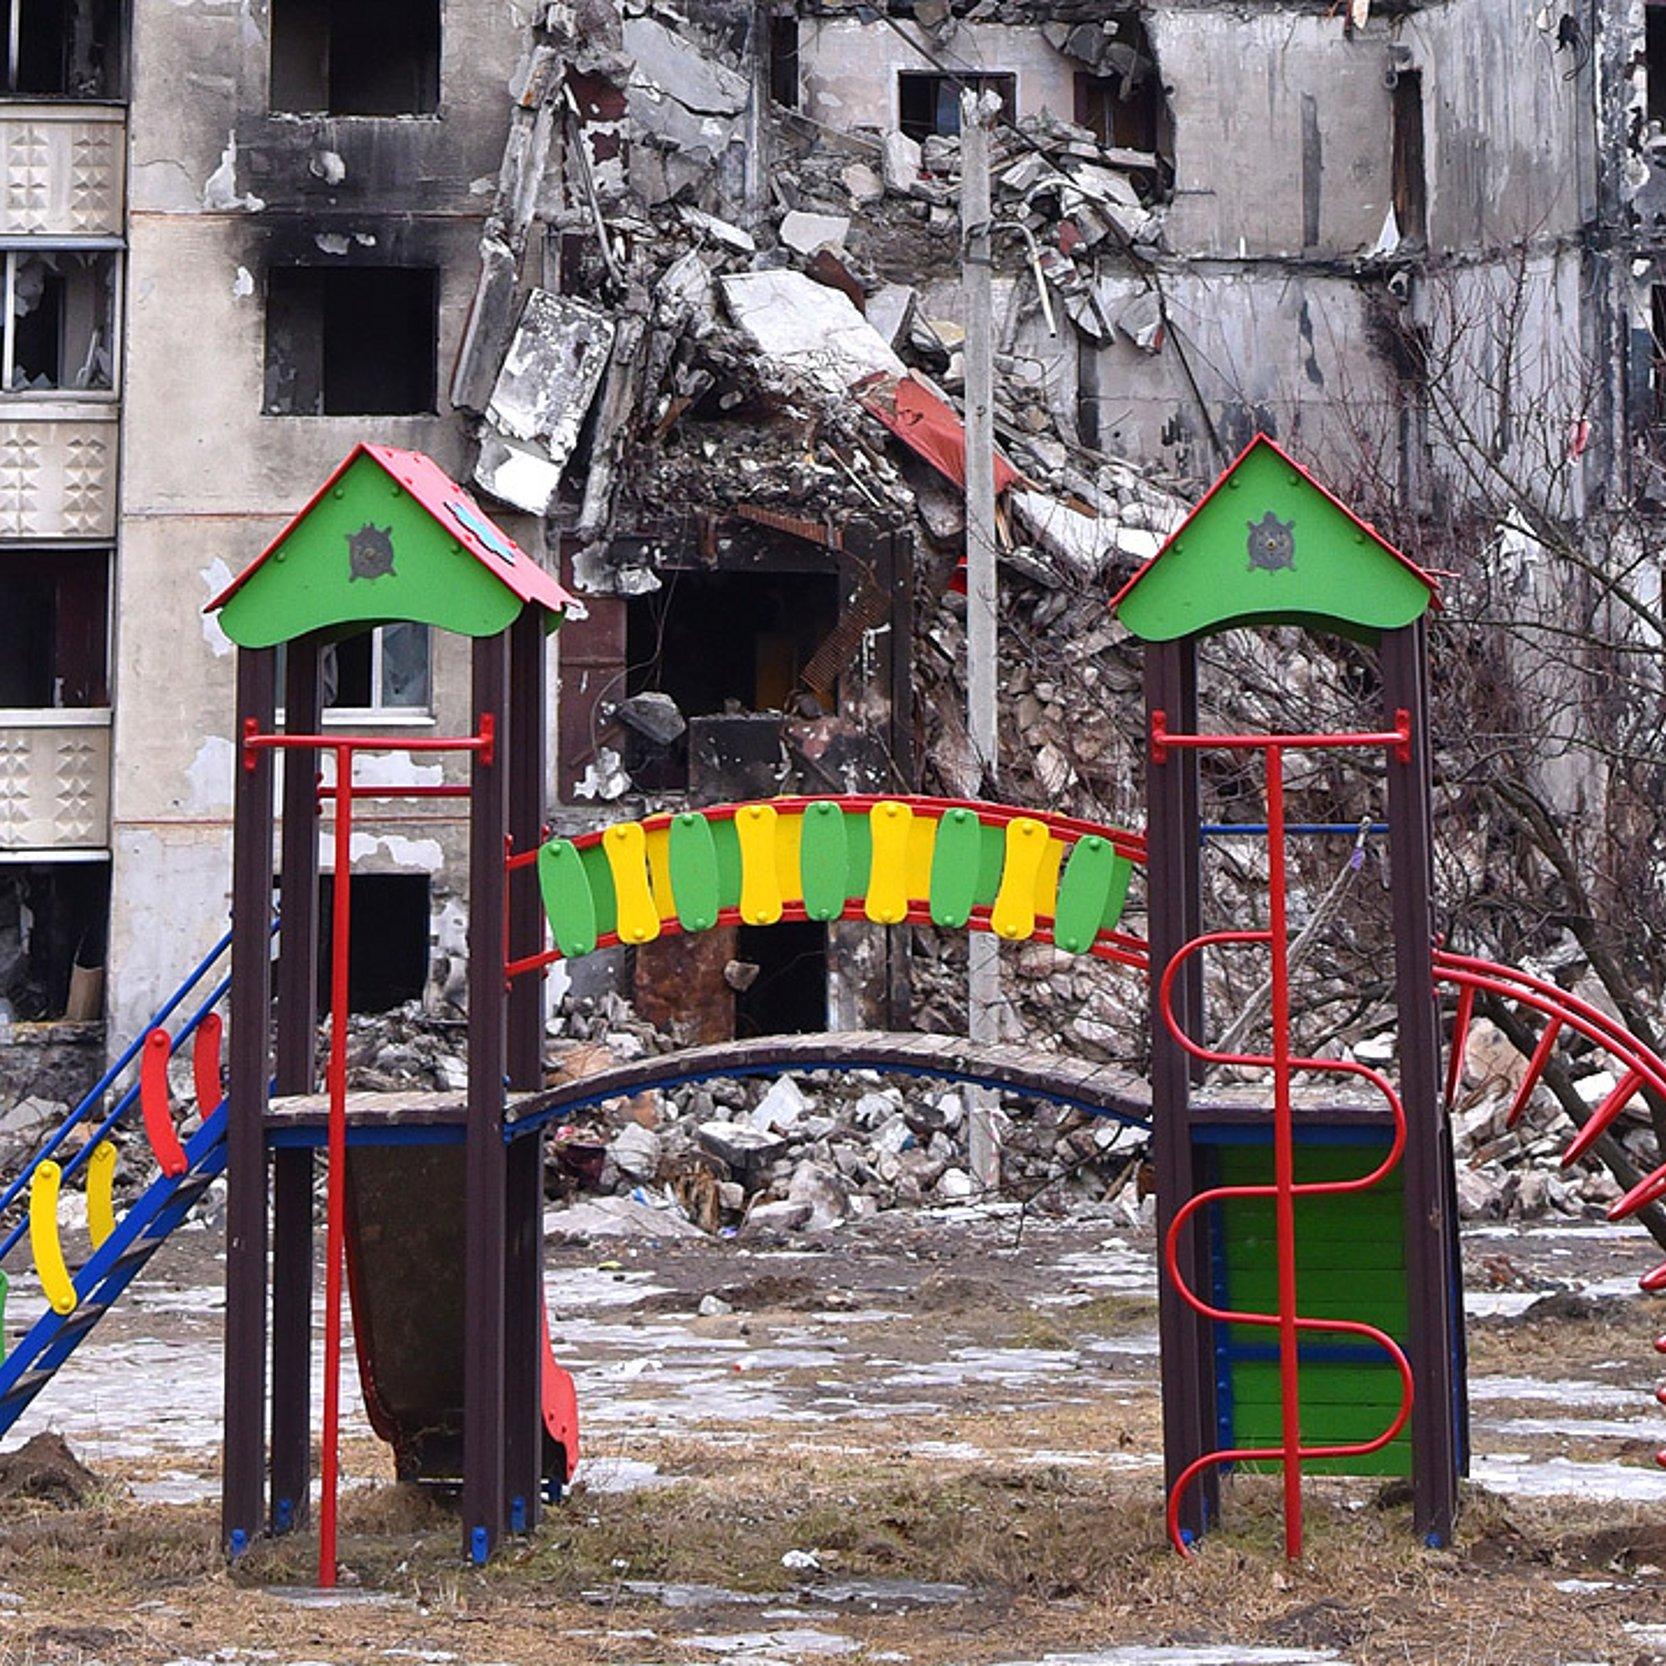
x=600, y=874
x=824, y=859
x=365, y=553
x=992, y=860
x=956, y=864
x=726, y=842
x=565, y=888
x=1350, y=1264
x=1269, y=545
x=692, y=854
x=1094, y=884
x=859, y=852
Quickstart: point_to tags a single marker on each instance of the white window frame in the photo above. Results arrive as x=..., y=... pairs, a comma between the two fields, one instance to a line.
x=377, y=714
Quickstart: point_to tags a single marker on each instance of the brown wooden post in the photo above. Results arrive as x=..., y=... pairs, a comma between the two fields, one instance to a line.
x=523, y=1274
x=243, y=1477
x=1173, y=915
x=1431, y=1229
x=484, y=1512
x=296, y=1071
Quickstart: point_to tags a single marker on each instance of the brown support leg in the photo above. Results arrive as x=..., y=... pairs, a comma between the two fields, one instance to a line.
x=484, y=1514
x=296, y=1071
x=243, y=1478
x=1172, y=882
x=523, y=1275
x=1431, y=1226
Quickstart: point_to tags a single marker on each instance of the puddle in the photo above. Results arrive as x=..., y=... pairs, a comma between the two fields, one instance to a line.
x=672, y=1594
x=1214, y=1655
x=767, y=1645
x=1576, y=1428
x=620, y=1475
x=1568, y=1392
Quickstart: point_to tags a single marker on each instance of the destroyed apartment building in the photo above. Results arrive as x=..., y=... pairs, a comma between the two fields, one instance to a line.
x=678, y=287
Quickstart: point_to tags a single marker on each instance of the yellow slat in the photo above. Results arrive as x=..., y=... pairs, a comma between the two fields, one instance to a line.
x=890, y=826
x=44, y=1242
x=1047, y=878
x=657, y=844
x=789, y=835
x=101, y=1203
x=760, y=879
x=1013, y=916
x=922, y=845
x=627, y=858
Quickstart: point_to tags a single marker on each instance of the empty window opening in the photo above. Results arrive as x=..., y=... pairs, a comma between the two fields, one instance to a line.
x=783, y=60
x=62, y=48
x=723, y=643
x=351, y=340
x=929, y=104
x=1657, y=322
x=60, y=320
x=1122, y=113
x=1411, y=212
x=385, y=669
x=356, y=57
x=387, y=958
x=54, y=628
x=789, y=994
x=1655, y=54
x=54, y=917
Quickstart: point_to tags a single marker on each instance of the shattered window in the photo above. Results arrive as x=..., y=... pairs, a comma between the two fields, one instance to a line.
x=929, y=104
x=61, y=48
x=54, y=629
x=356, y=57
x=351, y=340
x=380, y=670
x=60, y=320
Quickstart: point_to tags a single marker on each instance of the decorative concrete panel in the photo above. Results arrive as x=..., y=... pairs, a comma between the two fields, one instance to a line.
x=54, y=781
x=62, y=171
x=58, y=470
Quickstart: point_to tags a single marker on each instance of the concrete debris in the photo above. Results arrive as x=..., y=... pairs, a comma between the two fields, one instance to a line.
x=652, y=715
x=806, y=330
x=679, y=95
x=805, y=233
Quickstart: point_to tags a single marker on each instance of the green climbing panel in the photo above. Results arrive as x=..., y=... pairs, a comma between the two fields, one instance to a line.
x=568, y=901
x=1350, y=1264
x=693, y=858
x=824, y=860
x=956, y=863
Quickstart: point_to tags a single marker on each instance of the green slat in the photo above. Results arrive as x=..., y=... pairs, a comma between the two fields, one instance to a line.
x=1369, y=1284
x=824, y=860
x=1258, y=1425
x=859, y=855
x=692, y=855
x=600, y=875
x=565, y=888
x=1389, y=1317
x=1315, y=1254
x=956, y=863
x=1091, y=874
x=726, y=842
x=1393, y=1459
x=1252, y=1164
x=1255, y=1382
x=990, y=863
x=1118, y=897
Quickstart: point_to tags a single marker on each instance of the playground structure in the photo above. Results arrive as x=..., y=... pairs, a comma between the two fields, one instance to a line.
x=1310, y=1299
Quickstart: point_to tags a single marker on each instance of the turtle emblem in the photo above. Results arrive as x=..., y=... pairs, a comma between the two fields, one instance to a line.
x=1272, y=543
x=370, y=552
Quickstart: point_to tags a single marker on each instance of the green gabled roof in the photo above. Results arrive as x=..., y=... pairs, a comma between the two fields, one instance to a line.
x=1269, y=545
x=389, y=536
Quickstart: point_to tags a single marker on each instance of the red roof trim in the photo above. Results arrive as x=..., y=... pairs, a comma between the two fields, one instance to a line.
x=1285, y=457
x=436, y=492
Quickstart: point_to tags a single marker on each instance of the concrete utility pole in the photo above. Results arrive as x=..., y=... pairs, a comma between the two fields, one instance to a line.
x=983, y=952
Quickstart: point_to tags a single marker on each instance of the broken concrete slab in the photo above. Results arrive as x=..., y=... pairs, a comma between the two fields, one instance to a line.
x=805, y=328
x=890, y=310
x=901, y=163
x=806, y=232
x=652, y=715
x=554, y=365
x=678, y=93
x=716, y=230
x=516, y=473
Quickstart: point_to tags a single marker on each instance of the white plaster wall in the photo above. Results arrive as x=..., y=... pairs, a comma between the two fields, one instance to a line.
x=1237, y=80
x=207, y=479
x=1506, y=135
x=848, y=69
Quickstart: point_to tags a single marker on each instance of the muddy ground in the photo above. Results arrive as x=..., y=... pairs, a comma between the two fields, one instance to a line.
x=930, y=1438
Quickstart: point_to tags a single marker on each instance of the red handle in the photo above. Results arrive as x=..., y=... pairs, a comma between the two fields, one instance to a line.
x=154, y=1106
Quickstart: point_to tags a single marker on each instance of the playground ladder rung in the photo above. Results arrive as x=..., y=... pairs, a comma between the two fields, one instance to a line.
x=28, y=1385
x=82, y=1319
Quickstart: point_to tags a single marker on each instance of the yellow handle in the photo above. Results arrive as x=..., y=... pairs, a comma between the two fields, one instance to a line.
x=627, y=856
x=760, y=875
x=1013, y=916
x=889, y=825
x=43, y=1238
x=101, y=1207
